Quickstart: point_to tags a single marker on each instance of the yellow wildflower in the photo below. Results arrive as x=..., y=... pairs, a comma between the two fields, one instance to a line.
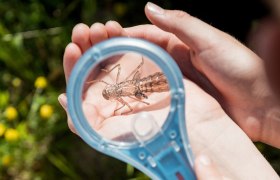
x=46, y=111
x=11, y=135
x=16, y=82
x=2, y=129
x=41, y=82
x=6, y=160
x=11, y=113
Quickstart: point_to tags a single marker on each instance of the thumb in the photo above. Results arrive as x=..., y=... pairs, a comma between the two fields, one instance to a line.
x=192, y=31
x=62, y=99
x=205, y=169
x=89, y=111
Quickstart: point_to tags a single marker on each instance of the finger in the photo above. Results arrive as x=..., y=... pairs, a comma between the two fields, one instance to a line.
x=192, y=31
x=175, y=47
x=80, y=36
x=153, y=34
x=114, y=29
x=71, y=54
x=98, y=33
x=205, y=169
x=62, y=99
x=215, y=54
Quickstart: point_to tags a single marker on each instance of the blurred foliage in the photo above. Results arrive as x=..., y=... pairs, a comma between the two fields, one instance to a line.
x=35, y=142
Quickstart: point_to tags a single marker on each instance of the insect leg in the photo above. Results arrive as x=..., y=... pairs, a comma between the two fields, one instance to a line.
x=135, y=70
x=136, y=76
x=124, y=103
x=119, y=71
x=118, y=108
x=138, y=100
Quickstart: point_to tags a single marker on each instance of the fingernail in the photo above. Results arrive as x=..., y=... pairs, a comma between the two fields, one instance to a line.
x=204, y=160
x=155, y=9
x=62, y=99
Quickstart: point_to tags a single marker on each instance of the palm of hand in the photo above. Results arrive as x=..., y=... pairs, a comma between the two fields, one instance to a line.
x=101, y=113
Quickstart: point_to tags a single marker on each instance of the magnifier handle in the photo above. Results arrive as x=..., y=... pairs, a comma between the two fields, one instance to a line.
x=171, y=163
x=165, y=156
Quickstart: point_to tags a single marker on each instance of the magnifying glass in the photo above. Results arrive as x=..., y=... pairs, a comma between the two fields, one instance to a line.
x=126, y=99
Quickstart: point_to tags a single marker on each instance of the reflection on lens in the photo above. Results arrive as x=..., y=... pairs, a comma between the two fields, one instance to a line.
x=144, y=126
x=121, y=87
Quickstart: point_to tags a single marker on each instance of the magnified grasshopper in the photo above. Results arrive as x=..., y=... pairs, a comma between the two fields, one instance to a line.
x=134, y=88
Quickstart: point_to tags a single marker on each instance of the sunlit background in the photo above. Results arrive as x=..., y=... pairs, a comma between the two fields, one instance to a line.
x=35, y=142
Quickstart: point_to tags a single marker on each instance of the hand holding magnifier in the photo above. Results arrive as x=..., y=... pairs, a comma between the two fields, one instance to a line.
x=150, y=137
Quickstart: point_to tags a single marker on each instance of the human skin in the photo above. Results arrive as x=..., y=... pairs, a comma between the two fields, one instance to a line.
x=264, y=39
x=232, y=73
x=210, y=129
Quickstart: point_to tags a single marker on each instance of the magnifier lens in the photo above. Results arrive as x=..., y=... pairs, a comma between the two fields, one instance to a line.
x=126, y=98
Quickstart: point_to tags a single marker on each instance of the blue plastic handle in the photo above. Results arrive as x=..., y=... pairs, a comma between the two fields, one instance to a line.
x=167, y=155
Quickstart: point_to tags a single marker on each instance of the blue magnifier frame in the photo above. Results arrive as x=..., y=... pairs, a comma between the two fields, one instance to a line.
x=167, y=155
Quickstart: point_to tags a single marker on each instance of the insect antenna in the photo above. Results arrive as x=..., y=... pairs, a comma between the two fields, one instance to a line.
x=135, y=70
